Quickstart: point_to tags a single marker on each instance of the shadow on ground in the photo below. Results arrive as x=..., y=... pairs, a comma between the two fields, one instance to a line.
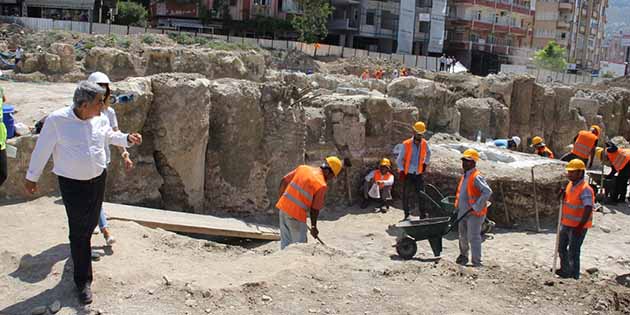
x=34, y=269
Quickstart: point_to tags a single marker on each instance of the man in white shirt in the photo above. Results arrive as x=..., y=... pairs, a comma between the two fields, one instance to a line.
x=76, y=136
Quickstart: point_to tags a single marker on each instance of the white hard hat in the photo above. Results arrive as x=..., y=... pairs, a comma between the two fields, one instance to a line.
x=99, y=78
x=516, y=140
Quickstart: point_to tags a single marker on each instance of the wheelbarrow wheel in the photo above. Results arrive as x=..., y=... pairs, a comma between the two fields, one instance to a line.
x=406, y=248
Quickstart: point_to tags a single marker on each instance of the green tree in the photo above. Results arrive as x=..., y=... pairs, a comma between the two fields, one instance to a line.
x=131, y=13
x=552, y=57
x=311, y=23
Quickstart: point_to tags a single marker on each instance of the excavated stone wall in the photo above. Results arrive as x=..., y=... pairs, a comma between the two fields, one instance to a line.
x=218, y=138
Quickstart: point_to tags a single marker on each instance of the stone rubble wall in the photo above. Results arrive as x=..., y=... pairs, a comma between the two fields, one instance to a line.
x=221, y=129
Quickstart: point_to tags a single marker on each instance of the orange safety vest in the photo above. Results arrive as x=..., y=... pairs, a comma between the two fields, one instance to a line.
x=545, y=150
x=619, y=159
x=298, y=197
x=473, y=193
x=573, y=208
x=584, y=144
x=378, y=176
x=422, y=154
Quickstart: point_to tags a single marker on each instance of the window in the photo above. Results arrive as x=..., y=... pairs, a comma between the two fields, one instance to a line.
x=478, y=16
x=563, y=35
x=424, y=27
x=369, y=18
x=387, y=20
x=474, y=38
x=233, y=3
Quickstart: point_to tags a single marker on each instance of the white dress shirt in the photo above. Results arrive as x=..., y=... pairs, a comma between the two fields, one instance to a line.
x=110, y=114
x=77, y=146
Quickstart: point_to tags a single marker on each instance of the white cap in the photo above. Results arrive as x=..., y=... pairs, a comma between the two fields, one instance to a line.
x=516, y=140
x=99, y=78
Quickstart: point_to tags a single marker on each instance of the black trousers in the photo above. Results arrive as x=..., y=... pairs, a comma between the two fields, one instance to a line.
x=412, y=186
x=83, y=200
x=570, y=245
x=621, y=184
x=4, y=173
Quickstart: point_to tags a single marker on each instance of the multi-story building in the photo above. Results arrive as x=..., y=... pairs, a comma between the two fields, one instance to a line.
x=580, y=31
x=615, y=48
x=403, y=26
x=482, y=34
x=76, y=10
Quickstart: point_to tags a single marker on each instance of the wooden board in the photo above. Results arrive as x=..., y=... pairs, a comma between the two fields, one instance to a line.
x=190, y=223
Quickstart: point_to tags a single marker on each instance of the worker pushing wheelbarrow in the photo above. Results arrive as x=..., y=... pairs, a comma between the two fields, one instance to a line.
x=431, y=229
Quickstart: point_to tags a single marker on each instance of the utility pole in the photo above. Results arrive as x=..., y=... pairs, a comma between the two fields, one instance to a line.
x=100, y=13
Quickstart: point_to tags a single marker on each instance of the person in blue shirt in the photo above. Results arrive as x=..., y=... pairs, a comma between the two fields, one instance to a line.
x=508, y=143
x=412, y=162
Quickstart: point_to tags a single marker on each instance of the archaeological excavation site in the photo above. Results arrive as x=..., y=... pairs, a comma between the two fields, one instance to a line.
x=196, y=219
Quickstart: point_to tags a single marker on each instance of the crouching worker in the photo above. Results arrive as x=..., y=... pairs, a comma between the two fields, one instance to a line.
x=472, y=194
x=384, y=180
x=302, y=193
x=577, y=218
x=618, y=159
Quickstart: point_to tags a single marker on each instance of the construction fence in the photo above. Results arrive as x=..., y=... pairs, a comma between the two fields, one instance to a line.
x=542, y=75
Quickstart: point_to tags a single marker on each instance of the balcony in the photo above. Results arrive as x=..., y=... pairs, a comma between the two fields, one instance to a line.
x=260, y=10
x=507, y=5
x=343, y=24
x=490, y=48
x=490, y=24
x=565, y=5
x=345, y=2
x=563, y=25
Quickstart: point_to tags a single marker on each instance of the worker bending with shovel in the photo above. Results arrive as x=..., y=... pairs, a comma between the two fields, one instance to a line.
x=472, y=195
x=577, y=218
x=303, y=192
x=584, y=145
x=618, y=159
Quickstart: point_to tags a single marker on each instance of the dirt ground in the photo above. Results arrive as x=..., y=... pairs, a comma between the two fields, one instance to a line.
x=157, y=272
x=33, y=101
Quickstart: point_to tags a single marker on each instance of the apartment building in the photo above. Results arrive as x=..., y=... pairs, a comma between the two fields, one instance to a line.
x=482, y=34
x=76, y=10
x=402, y=26
x=580, y=31
x=615, y=48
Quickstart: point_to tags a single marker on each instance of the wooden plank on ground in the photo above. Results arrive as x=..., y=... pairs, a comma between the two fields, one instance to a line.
x=190, y=223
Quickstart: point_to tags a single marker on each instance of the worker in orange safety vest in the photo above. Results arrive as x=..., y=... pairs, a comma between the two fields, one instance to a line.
x=383, y=178
x=618, y=159
x=471, y=199
x=541, y=148
x=584, y=146
x=577, y=218
x=302, y=193
x=413, y=161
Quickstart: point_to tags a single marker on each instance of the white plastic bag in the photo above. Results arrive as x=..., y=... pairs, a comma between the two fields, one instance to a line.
x=11, y=151
x=374, y=191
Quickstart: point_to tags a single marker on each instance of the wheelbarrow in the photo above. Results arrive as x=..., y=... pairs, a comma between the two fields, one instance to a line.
x=431, y=229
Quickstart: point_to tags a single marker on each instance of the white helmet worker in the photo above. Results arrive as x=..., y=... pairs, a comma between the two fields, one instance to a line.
x=516, y=140
x=99, y=78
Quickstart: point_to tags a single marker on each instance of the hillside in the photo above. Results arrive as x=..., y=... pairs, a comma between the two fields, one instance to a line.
x=618, y=16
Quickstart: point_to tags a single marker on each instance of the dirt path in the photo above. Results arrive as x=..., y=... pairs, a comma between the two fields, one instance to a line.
x=361, y=275
x=35, y=100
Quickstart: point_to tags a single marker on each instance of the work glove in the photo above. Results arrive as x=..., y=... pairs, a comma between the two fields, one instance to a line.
x=314, y=231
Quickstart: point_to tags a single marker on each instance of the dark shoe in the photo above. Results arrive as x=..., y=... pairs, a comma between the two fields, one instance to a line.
x=364, y=203
x=562, y=274
x=461, y=260
x=85, y=294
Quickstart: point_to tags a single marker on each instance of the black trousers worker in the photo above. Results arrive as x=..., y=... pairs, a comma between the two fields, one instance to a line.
x=83, y=200
x=412, y=185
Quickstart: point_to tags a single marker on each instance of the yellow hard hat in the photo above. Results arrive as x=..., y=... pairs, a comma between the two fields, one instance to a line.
x=576, y=165
x=335, y=164
x=419, y=127
x=471, y=154
x=598, y=129
x=537, y=140
x=386, y=162
x=599, y=153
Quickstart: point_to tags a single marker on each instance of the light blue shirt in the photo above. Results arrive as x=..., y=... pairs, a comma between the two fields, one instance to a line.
x=413, y=166
x=481, y=184
x=501, y=143
x=586, y=196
